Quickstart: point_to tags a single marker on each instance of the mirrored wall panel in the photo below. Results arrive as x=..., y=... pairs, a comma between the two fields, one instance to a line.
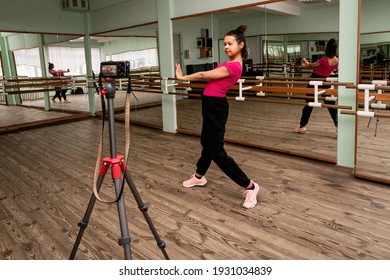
x=277, y=41
x=373, y=132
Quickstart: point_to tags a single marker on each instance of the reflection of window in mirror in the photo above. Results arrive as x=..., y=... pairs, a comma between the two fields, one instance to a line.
x=141, y=52
x=138, y=59
x=1, y=67
x=274, y=52
x=293, y=52
x=72, y=58
x=27, y=63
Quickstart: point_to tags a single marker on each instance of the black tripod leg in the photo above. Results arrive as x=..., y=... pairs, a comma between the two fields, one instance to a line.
x=125, y=239
x=144, y=209
x=84, y=222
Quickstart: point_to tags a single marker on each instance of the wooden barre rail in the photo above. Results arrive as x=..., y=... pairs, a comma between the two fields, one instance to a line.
x=292, y=82
x=376, y=87
x=253, y=99
x=292, y=78
x=378, y=96
x=374, y=114
x=143, y=83
x=328, y=91
x=300, y=90
x=44, y=85
x=35, y=90
x=277, y=101
x=38, y=79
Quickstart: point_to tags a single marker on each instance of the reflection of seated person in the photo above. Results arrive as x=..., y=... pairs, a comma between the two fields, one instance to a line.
x=94, y=83
x=379, y=59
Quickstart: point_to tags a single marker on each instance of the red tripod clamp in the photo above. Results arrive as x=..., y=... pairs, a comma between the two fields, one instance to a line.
x=117, y=164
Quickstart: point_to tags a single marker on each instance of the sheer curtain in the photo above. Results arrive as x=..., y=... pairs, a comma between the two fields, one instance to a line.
x=73, y=59
x=28, y=63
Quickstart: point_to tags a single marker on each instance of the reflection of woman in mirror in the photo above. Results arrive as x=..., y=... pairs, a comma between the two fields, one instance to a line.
x=323, y=68
x=59, y=91
x=215, y=111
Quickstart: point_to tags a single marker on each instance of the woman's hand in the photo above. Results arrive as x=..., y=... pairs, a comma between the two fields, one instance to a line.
x=304, y=62
x=179, y=72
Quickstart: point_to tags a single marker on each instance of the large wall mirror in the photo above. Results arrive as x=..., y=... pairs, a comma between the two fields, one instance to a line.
x=279, y=34
x=29, y=54
x=25, y=58
x=138, y=45
x=277, y=38
x=372, y=153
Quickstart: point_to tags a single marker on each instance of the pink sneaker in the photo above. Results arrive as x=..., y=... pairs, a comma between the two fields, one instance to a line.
x=300, y=129
x=193, y=181
x=251, y=197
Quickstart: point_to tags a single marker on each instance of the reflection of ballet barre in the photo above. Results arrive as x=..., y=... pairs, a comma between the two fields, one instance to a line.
x=367, y=97
x=298, y=90
x=348, y=112
x=333, y=81
x=260, y=78
x=378, y=104
x=2, y=87
x=312, y=91
x=143, y=83
x=240, y=88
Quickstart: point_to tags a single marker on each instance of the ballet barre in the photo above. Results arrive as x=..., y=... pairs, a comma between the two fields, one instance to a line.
x=241, y=89
x=167, y=85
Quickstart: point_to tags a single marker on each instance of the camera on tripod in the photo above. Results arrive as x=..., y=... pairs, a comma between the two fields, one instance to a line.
x=115, y=69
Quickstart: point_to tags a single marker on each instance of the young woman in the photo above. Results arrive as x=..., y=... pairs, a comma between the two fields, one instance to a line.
x=322, y=68
x=59, y=91
x=215, y=111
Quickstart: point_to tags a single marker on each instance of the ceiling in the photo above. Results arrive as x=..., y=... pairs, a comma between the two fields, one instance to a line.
x=280, y=7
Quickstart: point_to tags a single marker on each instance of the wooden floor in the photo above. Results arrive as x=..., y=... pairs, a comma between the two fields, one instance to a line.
x=307, y=209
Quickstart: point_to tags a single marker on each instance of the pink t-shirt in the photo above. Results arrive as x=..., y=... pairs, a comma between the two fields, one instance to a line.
x=219, y=87
x=325, y=69
x=56, y=73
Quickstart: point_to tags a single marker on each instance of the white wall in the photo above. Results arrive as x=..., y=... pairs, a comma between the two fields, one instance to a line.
x=128, y=14
x=190, y=29
x=126, y=44
x=39, y=16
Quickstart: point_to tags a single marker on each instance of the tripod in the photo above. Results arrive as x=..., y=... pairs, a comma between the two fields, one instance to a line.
x=118, y=168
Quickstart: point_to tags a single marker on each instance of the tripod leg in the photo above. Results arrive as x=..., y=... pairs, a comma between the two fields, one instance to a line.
x=125, y=239
x=84, y=222
x=369, y=121
x=144, y=209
